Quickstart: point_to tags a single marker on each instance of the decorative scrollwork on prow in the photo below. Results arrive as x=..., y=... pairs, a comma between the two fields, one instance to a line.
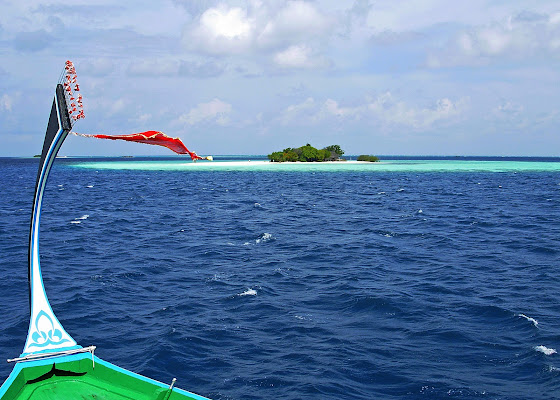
x=45, y=332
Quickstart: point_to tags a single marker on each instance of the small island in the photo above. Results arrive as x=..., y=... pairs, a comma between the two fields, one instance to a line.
x=365, y=157
x=309, y=153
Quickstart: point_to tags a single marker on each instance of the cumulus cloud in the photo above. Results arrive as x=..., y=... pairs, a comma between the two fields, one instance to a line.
x=516, y=37
x=258, y=27
x=384, y=110
x=395, y=112
x=215, y=111
x=296, y=21
x=222, y=30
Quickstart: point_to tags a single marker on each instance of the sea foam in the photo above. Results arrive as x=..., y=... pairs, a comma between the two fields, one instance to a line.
x=248, y=292
x=80, y=219
x=545, y=350
x=265, y=237
x=532, y=320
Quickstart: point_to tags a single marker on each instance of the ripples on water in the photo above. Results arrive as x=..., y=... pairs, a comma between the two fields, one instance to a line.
x=253, y=285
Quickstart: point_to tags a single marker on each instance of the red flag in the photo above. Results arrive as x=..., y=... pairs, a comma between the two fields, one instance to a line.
x=151, y=137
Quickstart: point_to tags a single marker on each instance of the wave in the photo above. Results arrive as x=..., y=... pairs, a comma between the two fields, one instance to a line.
x=80, y=219
x=248, y=292
x=265, y=237
x=532, y=320
x=545, y=350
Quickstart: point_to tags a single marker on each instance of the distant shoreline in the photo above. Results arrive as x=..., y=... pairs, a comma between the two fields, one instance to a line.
x=261, y=157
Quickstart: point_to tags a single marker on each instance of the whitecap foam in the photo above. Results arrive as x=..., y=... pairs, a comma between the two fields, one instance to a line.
x=532, y=320
x=400, y=190
x=248, y=292
x=545, y=350
x=265, y=237
x=89, y=186
x=75, y=222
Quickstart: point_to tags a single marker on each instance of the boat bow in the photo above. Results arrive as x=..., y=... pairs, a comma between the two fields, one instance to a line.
x=46, y=333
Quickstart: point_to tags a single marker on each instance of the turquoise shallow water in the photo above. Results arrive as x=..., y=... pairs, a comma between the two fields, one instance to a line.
x=350, y=166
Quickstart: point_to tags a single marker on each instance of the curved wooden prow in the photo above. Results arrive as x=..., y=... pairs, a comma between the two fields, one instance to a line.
x=46, y=334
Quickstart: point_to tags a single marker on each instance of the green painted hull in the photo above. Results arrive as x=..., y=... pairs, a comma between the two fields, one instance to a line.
x=76, y=377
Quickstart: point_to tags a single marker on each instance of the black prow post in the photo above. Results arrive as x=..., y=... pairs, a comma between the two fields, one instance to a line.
x=59, y=113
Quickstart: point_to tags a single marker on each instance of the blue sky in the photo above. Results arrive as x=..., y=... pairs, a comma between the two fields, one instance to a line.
x=417, y=77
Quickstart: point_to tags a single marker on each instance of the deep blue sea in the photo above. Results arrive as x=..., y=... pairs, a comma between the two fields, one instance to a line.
x=414, y=282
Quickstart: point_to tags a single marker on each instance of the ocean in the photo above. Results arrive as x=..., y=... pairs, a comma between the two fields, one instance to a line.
x=414, y=278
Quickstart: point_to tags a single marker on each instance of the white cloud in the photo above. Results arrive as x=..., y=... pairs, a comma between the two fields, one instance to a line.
x=516, y=37
x=227, y=23
x=555, y=18
x=394, y=112
x=144, y=118
x=384, y=111
x=215, y=111
x=295, y=111
x=299, y=56
x=296, y=21
x=508, y=109
x=222, y=30
x=257, y=27
x=331, y=107
x=6, y=103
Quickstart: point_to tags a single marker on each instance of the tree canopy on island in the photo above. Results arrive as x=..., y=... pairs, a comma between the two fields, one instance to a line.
x=307, y=153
